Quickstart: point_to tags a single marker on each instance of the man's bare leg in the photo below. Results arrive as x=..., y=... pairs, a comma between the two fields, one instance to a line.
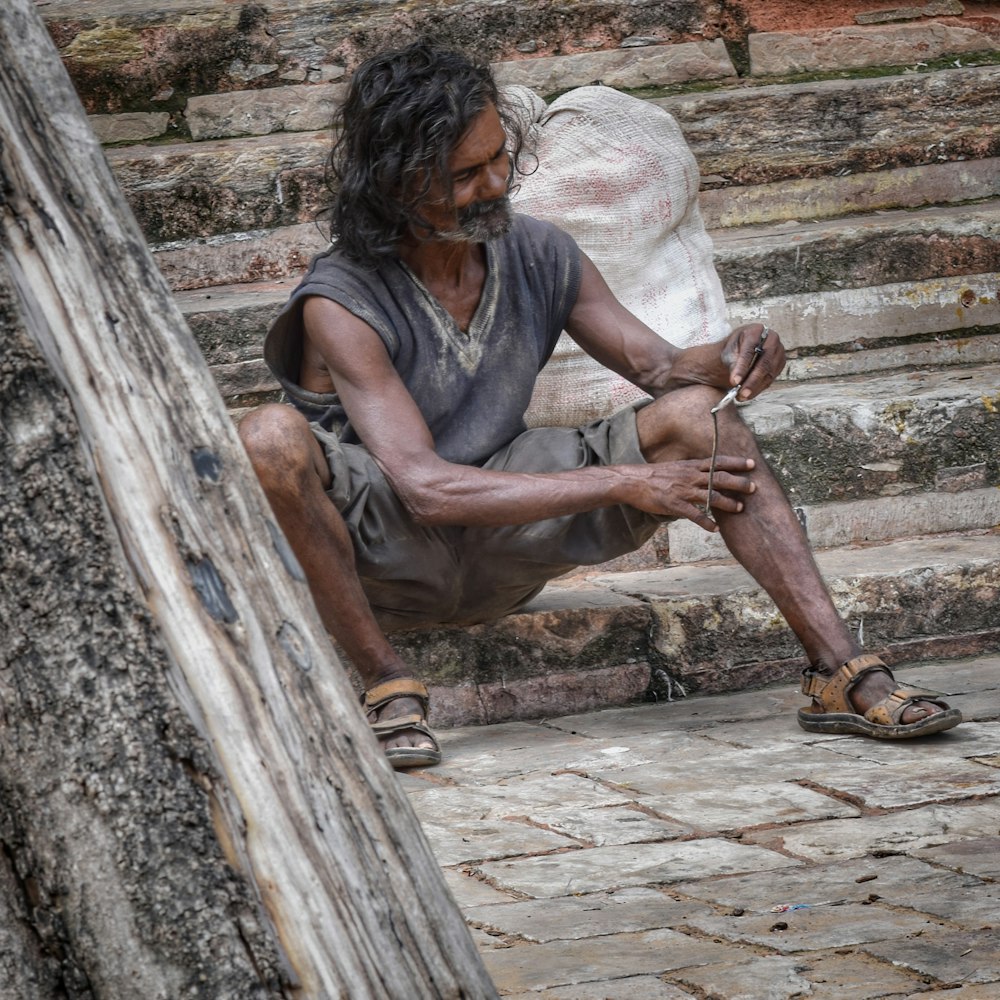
x=293, y=470
x=766, y=537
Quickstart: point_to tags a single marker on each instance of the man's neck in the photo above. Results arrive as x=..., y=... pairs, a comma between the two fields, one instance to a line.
x=443, y=263
x=454, y=273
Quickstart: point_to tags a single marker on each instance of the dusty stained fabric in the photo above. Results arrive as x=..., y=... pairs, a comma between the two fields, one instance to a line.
x=616, y=173
x=471, y=387
x=417, y=575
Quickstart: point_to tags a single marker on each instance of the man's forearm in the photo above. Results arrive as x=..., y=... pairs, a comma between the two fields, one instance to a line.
x=463, y=495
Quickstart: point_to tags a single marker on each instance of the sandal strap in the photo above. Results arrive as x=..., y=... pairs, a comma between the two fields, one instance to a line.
x=385, y=727
x=889, y=711
x=401, y=687
x=831, y=692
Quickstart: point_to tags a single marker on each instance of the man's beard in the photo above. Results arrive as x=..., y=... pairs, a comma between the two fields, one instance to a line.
x=480, y=222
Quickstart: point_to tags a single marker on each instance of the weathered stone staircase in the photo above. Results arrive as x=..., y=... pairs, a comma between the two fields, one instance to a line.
x=851, y=181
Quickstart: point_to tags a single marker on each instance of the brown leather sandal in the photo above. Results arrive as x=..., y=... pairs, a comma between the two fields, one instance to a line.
x=831, y=711
x=403, y=687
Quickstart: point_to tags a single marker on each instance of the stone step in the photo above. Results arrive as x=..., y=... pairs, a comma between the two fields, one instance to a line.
x=860, y=251
x=942, y=322
x=869, y=460
x=871, y=436
x=779, y=259
x=827, y=197
x=123, y=55
x=740, y=137
x=782, y=53
x=758, y=135
x=607, y=641
x=191, y=190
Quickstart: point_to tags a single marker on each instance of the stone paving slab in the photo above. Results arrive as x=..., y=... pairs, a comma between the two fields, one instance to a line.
x=722, y=809
x=469, y=892
x=720, y=764
x=779, y=977
x=583, y=916
x=969, y=741
x=902, y=784
x=611, y=825
x=461, y=841
x=975, y=856
x=776, y=977
x=686, y=714
x=821, y=927
x=910, y=831
x=563, y=963
x=598, y=868
x=950, y=957
x=823, y=886
x=629, y=988
x=887, y=901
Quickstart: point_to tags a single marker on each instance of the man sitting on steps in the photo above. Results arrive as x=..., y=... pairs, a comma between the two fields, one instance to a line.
x=403, y=475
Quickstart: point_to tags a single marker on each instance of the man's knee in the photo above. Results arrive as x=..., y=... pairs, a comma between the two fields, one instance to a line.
x=278, y=440
x=680, y=420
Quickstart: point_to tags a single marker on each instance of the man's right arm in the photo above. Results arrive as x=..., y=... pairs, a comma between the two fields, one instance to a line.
x=388, y=422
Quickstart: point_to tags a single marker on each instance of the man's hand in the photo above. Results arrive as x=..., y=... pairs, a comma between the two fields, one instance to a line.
x=738, y=354
x=680, y=489
x=707, y=364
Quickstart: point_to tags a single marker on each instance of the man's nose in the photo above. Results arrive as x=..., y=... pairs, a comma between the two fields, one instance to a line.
x=498, y=177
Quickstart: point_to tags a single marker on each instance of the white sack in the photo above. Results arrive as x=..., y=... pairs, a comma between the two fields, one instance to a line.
x=615, y=172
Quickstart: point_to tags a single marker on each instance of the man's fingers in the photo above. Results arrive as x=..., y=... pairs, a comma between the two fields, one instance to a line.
x=737, y=352
x=728, y=463
x=700, y=518
x=731, y=484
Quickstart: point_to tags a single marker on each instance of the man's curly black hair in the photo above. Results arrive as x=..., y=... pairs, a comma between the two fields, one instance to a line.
x=406, y=110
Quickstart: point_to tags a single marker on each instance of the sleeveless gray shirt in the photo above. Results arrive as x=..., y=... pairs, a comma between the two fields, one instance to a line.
x=472, y=387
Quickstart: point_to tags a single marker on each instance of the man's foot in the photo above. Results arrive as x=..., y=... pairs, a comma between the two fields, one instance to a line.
x=397, y=713
x=862, y=697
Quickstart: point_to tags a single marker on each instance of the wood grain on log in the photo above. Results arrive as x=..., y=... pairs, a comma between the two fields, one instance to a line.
x=304, y=805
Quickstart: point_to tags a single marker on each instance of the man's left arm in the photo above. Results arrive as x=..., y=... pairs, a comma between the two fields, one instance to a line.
x=620, y=341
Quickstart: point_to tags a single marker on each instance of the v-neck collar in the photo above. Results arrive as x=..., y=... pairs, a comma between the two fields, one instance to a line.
x=467, y=342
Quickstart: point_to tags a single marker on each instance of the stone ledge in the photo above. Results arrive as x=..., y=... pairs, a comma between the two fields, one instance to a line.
x=135, y=126
x=739, y=137
x=859, y=251
x=656, y=65
x=782, y=53
x=856, y=522
x=223, y=186
x=706, y=628
x=295, y=108
x=785, y=258
x=831, y=196
x=126, y=54
x=551, y=694
x=854, y=439
x=239, y=258
x=756, y=135
x=868, y=315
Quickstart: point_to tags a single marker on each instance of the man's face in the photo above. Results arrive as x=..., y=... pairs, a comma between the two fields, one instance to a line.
x=480, y=172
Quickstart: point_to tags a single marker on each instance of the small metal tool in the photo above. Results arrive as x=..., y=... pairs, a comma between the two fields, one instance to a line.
x=722, y=403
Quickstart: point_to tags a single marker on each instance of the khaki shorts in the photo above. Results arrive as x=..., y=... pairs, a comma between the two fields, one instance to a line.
x=416, y=576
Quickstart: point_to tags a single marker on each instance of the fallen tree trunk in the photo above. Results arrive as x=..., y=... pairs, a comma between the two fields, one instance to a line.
x=190, y=802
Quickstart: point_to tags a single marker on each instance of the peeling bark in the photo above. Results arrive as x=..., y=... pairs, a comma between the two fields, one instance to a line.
x=190, y=802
